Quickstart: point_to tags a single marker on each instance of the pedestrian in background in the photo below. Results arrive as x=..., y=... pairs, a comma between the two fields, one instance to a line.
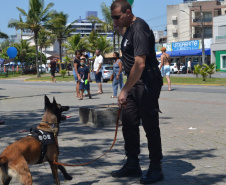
x=52, y=66
x=165, y=66
x=189, y=66
x=117, y=75
x=178, y=66
x=75, y=71
x=84, y=77
x=97, y=69
x=139, y=96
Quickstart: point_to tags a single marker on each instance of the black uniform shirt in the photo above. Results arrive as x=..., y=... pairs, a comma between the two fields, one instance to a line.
x=138, y=40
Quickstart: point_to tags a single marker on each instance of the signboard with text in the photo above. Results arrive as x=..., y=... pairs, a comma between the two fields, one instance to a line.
x=185, y=45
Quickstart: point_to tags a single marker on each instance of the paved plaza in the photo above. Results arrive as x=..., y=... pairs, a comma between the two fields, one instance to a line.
x=193, y=130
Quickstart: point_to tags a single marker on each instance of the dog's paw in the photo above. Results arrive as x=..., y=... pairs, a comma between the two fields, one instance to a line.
x=68, y=177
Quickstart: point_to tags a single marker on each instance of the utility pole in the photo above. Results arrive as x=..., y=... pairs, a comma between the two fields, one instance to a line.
x=202, y=33
x=203, y=46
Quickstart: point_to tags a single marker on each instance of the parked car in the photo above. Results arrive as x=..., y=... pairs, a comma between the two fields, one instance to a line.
x=174, y=69
x=43, y=69
x=107, y=71
x=184, y=70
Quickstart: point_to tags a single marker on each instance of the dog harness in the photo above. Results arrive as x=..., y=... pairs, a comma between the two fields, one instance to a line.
x=46, y=138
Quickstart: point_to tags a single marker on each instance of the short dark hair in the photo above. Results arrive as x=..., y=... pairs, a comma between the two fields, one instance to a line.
x=78, y=52
x=117, y=54
x=124, y=4
x=82, y=59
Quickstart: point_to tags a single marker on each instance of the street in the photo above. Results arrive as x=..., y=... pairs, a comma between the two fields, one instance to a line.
x=192, y=128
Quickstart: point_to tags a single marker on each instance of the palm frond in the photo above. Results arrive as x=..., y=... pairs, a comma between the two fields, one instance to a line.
x=22, y=11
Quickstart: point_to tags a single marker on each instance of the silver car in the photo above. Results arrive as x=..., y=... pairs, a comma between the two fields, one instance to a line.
x=107, y=70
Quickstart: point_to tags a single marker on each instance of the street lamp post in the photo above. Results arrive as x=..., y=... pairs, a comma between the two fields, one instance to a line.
x=203, y=46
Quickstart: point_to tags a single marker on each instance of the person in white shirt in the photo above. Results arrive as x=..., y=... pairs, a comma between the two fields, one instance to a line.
x=189, y=66
x=97, y=70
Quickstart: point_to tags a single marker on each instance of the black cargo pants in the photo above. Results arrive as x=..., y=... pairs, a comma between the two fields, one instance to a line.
x=142, y=103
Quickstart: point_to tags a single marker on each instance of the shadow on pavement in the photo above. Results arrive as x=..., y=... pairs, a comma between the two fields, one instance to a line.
x=79, y=144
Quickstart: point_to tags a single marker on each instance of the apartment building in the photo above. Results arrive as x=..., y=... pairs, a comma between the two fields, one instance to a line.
x=218, y=47
x=185, y=21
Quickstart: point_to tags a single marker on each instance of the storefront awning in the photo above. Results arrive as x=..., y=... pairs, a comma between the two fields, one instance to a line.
x=194, y=52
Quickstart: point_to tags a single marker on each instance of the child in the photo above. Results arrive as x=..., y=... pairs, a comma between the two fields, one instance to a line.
x=84, y=77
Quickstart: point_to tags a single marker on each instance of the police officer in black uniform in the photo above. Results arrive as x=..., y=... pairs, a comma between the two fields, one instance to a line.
x=139, y=96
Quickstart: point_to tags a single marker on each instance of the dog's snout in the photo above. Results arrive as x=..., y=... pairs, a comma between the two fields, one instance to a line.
x=65, y=108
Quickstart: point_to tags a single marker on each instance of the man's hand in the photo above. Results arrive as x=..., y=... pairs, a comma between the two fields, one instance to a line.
x=117, y=77
x=122, y=98
x=97, y=72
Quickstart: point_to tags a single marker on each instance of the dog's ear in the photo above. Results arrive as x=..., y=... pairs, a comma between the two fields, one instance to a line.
x=47, y=102
x=54, y=102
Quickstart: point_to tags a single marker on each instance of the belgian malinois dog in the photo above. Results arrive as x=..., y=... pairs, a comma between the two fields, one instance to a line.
x=15, y=158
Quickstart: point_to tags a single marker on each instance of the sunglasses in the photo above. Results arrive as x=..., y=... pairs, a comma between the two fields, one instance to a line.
x=117, y=17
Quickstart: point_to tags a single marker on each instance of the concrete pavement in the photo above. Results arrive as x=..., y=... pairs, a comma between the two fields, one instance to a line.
x=192, y=128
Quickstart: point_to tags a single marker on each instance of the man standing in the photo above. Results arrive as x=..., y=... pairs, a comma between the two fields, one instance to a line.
x=189, y=66
x=97, y=70
x=165, y=66
x=139, y=96
x=77, y=64
x=53, y=69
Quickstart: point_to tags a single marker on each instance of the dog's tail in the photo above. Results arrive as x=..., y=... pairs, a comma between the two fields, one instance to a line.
x=3, y=160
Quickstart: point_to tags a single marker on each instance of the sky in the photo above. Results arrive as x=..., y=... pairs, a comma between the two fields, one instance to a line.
x=152, y=11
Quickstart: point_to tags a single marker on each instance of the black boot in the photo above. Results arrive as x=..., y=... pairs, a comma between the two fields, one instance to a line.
x=130, y=169
x=154, y=174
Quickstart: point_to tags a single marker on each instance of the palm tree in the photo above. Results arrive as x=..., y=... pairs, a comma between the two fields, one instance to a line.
x=108, y=24
x=45, y=39
x=104, y=45
x=36, y=16
x=92, y=42
x=197, y=69
x=67, y=60
x=58, y=25
x=75, y=43
x=3, y=35
x=211, y=69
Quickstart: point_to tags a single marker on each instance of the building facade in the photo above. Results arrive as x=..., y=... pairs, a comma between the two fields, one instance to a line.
x=186, y=21
x=218, y=47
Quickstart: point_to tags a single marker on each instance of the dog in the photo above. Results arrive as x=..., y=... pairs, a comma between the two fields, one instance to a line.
x=15, y=158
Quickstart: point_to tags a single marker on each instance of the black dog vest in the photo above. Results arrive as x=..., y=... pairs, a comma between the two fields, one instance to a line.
x=46, y=138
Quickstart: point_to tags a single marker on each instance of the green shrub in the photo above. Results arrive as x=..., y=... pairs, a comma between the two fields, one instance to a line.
x=197, y=69
x=63, y=72
x=203, y=71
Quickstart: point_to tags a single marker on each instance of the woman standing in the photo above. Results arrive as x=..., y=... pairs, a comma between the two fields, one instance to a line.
x=117, y=71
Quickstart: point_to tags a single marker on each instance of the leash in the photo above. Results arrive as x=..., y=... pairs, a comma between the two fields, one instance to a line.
x=116, y=131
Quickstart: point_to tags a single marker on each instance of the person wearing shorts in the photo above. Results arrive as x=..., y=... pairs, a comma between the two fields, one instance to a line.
x=84, y=77
x=97, y=69
x=75, y=71
x=53, y=69
x=165, y=66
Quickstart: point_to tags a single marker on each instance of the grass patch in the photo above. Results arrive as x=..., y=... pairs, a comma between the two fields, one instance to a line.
x=198, y=81
x=174, y=80
x=49, y=78
x=3, y=76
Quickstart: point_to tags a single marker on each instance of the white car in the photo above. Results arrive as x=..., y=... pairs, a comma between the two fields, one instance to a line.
x=107, y=70
x=174, y=69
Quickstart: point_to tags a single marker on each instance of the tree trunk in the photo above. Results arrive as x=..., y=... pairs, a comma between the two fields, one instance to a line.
x=36, y=51
x=60, y=53
x=41, y=59
x=114, y=41
x=118, y=43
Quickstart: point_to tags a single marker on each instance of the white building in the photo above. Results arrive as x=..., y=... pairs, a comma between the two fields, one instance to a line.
x=184, y=20
x=218, y=47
